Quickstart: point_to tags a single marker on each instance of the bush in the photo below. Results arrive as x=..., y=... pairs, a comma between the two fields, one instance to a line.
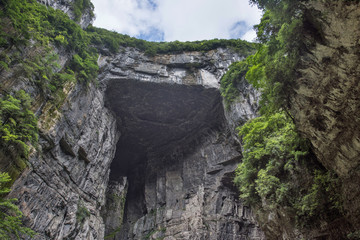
x=278, y=169
x=18, y=128
x=80, y=6
x=113, y=41
x=229, y=83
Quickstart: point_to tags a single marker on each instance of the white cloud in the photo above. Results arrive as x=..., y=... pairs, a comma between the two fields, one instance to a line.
x=125, y=16
x=249, y=36
x=184, y=20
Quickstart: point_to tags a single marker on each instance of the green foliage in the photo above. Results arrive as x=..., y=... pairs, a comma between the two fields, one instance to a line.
x=11, y=226
x=323, y=196
x=86, y=67
x=273, y=68
x=18, y=128
x=113, y=41
x=29, y=19
x=80, y=6
x=271, y=148
x=24, y=20
x=278, y=170
x=232, y=78
x=354, y=235
x=41, y=70
x=82, y=213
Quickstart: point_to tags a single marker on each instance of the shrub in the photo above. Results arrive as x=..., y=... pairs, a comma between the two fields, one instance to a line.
x=18, y=128
x=229, y=84
x=278, y=169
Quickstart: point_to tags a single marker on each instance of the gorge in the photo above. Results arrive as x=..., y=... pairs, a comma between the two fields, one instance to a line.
x=149, y=148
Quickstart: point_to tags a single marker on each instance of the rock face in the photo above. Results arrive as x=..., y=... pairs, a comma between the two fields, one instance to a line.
x=150, y=153
x=176, y=148
x=61, y=180
x=326, y=104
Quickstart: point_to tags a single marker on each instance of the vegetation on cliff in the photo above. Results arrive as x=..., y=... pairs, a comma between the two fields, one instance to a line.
x=229, y=83
x=18, y=128
x=50, y=53
x=42, y=29
x=11, y=226
x=112, y=41
x=32, y=36
x=80, y=7
x=279, y=174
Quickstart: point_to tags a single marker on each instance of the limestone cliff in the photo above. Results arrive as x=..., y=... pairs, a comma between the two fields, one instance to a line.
x=148, y=153
x=143, y=152
x=176, y=149
x=322, y=97
x=326, y=103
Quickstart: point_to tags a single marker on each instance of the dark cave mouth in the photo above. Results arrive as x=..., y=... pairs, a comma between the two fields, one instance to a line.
x=158, y=119
x=159, y=123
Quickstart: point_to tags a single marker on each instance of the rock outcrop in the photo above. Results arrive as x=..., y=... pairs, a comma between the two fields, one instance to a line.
x=176, y=148
x=60, y=181
x=326, y=104
x=149, y=153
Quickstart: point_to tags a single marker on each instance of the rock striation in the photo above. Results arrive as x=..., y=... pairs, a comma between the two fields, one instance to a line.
x=176, y=148
x=149, y=153
x=71, y=170
x=326, y=104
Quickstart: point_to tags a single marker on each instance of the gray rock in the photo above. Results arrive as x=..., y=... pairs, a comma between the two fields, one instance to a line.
x=157, y=122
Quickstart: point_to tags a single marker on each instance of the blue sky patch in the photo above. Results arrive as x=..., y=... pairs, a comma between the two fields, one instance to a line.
x=153, y=34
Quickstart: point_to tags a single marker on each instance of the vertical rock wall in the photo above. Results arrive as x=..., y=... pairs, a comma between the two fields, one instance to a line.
x=69, y=173
x=182, y=188
x=177, y=148
x=191, y=196
x=326, y=105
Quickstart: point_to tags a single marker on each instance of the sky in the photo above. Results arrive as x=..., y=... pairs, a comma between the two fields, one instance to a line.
x=183, y=20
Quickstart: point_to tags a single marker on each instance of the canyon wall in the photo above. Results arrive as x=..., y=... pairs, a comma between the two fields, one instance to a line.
x=149, y=152
x=150, y=147
x=326, y=102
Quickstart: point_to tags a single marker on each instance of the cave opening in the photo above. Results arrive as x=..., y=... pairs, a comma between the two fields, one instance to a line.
x=157, y=121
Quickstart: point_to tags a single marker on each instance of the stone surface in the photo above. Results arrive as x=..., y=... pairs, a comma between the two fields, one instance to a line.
x=57, y=182
x=165, y=120
x=176, y=147
x=191, y=68
x=113, y=211
x=184, y=198
x=326, y=105
x=166, y=143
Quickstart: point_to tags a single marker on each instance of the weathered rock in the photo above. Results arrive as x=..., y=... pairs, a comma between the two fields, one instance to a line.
x=51, y=191
x=192, y=68
x=326, y=105
x=113, y=212
x=175, y=150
